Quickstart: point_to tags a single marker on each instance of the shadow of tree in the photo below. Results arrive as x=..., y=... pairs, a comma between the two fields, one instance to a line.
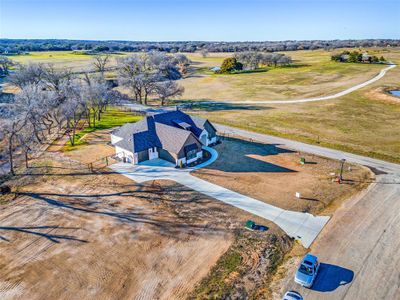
x=38, y=231
x=157, y=220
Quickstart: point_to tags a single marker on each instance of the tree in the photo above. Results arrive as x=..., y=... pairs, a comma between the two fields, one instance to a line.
x=182, y=62
x=204, y=52
x=230, y=64
x=168, y=89
x=27, y=74
x=100, y=63
x=141, y=72
x=5, y=65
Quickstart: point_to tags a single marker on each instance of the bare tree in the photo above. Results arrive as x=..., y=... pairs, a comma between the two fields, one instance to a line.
x=182, y=62
x=5, y=65
x=204, y=52
x=168, y=89
x=27, y=74
x=100, y=62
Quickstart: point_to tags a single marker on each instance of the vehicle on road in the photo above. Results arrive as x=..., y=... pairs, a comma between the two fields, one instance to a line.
x=292, y=295
x=307, y=271
x=251, y=225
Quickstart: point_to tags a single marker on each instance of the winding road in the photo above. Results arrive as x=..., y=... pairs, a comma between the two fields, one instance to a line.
x=322, y=98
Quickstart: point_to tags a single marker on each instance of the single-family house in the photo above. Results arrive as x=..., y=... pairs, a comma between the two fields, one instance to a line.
x=173, y=136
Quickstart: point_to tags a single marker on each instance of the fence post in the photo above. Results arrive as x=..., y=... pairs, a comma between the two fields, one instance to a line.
x=107, y=160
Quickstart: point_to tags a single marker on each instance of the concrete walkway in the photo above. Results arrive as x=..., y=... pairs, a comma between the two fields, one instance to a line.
x=301, y=226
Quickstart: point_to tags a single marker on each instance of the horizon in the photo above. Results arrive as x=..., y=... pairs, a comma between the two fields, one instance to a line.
x=203, y=20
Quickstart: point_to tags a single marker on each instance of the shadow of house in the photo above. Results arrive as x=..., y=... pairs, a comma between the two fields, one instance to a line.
x=38, y=231
x=330, y=277
x=235, y=156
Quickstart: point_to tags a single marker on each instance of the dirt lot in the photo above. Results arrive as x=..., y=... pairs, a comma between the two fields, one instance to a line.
x=274, y=174
x=99, y=235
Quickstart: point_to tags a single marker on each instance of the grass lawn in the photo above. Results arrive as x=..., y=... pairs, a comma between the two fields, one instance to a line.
x=61, y=59
x=312, y=74
x=112, y=117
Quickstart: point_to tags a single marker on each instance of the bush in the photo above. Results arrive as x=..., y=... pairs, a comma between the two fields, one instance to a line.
x=230, y=64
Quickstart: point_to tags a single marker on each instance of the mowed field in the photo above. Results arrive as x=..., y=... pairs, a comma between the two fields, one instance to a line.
x=364, y=122
x=312, y=74
x=62, y=59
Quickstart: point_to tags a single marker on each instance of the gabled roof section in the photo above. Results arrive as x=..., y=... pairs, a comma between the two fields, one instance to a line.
x=171, y=138
x=168, y=130
x=168, y=118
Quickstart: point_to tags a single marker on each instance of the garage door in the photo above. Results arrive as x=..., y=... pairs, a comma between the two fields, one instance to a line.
x=143, y=155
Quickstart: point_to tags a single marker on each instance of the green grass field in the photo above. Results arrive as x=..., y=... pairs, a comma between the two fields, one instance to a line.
x=112, y=117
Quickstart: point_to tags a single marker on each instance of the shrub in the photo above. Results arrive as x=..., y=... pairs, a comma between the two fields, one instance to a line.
x=230, y=64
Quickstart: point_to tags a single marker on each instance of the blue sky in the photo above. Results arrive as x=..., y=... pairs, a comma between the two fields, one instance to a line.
x=245, y=20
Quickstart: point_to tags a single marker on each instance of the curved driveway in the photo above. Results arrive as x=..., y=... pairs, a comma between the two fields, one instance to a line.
x=301, y=226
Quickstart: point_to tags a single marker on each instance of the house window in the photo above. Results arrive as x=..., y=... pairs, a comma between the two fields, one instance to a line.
x=191, y=154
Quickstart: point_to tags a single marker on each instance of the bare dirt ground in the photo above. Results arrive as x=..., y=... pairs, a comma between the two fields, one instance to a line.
x=274, y=174
x=90, y=236
x=99, y=235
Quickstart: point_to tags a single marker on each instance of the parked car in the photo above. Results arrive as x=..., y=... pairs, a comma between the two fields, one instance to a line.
x=292, y=295
x=251, y=225
x=307, y=271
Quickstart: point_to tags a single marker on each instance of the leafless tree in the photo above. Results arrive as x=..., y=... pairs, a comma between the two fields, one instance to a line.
x=141, y=72
x=100, y=63
x=27, y=74
x=204, y=52
x=5, y=65
x=168, y=89
x=182, y=62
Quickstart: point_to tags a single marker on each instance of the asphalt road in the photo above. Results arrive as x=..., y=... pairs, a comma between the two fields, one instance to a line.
x=359, y=247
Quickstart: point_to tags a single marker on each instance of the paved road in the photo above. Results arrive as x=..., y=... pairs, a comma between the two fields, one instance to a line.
x=359, y=247
x=301, y=226
x=326, y=152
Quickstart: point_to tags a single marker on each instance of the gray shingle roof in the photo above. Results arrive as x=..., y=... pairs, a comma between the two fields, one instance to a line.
x=161, y=130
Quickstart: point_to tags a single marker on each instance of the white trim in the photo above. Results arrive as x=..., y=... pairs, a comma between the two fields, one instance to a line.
x=127, y=155
x=115, y=139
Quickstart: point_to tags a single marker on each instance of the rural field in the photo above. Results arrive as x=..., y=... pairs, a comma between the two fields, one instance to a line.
x=72, y=219
x=118, y=238
x=362, y=122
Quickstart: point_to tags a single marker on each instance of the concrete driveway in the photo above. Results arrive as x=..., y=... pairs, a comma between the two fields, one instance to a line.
x=301, y=226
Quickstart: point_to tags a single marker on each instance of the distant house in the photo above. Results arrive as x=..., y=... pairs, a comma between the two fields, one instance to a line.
x=173, y=136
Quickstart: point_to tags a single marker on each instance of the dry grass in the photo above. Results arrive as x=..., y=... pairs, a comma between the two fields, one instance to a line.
x=363, y=122
x=312, y=75
x=274, y=174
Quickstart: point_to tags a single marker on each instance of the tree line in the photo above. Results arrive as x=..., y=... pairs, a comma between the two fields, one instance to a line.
x=252, y=60
x=10, y=46
x=357, y=57
x=53, y=101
